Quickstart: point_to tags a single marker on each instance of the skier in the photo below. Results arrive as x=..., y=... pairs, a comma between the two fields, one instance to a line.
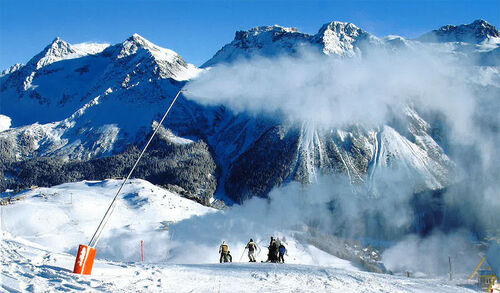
x=224, y=252
x=278, y=243
x=272, y=256
x=229, y=257
x=251, y=246
x=282, y=251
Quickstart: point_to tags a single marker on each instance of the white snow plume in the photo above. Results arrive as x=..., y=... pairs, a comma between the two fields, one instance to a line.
x=289, y=210
x=335, y=92
x=91, y=48
x=433, y=254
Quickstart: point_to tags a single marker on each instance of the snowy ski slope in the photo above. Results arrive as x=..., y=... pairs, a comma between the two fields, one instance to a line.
x=42, y=229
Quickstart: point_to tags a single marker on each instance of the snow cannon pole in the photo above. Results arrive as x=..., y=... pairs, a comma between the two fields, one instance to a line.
x=86, y=253
x=142, y=251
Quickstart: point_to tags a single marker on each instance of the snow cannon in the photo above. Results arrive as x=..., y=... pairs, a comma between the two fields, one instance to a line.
x=84, y=260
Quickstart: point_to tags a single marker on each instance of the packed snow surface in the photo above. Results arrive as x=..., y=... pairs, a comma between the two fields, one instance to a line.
x=64, y=216
x=26, y=266
x=42, y=228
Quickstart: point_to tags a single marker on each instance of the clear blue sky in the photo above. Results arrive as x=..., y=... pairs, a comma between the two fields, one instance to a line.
x=197, y=29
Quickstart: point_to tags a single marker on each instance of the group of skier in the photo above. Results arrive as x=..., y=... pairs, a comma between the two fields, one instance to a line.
x=276, y=254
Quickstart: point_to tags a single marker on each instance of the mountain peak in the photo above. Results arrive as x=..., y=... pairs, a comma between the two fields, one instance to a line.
x=57, y=40
x=137, y=52
x=260, y=31
x=58, y=49
x=262, y=40
x=57, y=45
x=267, y=28
x=475, y=32
x=340, y=27
x=341, y=38
x=134, y=43
x=138, y=39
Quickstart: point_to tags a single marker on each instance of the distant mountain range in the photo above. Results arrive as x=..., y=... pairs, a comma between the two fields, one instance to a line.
x=82, y=111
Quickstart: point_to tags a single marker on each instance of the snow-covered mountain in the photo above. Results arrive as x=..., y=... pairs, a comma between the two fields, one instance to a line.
x=347, y=40
x=75, y=98
x=477, y=32
x=84, y=103
x=89, y=102
x=76, y=113
x=334, y=38
x=63, y=79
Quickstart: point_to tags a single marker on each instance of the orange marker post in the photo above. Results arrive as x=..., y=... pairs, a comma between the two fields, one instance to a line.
x=84, y=260
x=142, y=251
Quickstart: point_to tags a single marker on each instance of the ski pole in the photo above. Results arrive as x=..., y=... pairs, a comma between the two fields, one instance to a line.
x=242, y=254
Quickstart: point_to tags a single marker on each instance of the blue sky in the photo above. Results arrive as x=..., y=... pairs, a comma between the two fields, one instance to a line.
x=197, y=29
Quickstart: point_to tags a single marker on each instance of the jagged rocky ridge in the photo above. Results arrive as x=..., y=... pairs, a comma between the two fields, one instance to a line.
x=77, y=110
x=335, y=38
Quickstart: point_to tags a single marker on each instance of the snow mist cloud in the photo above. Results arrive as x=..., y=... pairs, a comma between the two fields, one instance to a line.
x=336, y=92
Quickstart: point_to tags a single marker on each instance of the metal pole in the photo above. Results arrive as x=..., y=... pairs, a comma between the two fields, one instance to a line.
x=449, y=262
x=242, y=254
x=97, y=235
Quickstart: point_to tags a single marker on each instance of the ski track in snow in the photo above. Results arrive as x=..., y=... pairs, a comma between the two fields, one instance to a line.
x=26, y=266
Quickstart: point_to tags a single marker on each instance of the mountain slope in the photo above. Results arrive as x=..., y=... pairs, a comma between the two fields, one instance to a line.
x=90, y=98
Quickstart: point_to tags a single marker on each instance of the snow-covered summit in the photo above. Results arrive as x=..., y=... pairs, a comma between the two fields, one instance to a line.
x=57, y=50
x=341, y=38
x=86, y=70
x=275, y=29
x=476, y=32
x=347, y=40
x=136, y=42
x=333, y=38
x=262, y=40
x=148, y=57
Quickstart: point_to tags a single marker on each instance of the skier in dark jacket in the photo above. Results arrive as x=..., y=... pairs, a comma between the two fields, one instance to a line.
x=273, y=248
x=251, y=246
x=282, y=251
